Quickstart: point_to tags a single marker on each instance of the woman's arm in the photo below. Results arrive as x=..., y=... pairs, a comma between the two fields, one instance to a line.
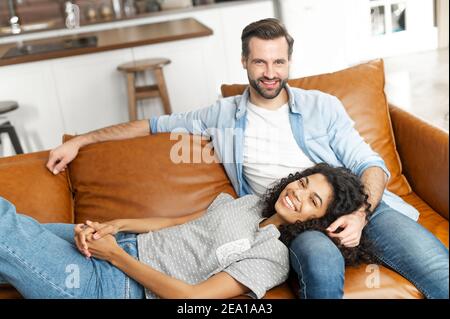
x=221, y=285
x=97, y=230
x=145, y=225
x=137, y=226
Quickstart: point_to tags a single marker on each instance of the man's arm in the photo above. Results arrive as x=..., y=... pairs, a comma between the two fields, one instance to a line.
x=194, y=122
x=351, y=149
x=346, y=142
x=374, y=180
x=65, y=153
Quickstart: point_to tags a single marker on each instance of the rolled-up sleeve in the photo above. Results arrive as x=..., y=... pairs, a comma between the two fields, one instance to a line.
x=194, y=122
x=348, y=145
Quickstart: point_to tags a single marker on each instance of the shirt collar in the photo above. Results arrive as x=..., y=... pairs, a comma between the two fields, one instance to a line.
x=242, y=106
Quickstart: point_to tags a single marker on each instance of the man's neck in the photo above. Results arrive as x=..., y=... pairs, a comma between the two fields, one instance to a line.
x=269, y=104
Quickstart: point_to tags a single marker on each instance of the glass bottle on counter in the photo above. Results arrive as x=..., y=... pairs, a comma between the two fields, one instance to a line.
x=117, y=7
x=106, y=10
x=129, y=8
x=72, y=15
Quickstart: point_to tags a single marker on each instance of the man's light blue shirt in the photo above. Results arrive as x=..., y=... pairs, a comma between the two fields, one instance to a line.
x=320, y=125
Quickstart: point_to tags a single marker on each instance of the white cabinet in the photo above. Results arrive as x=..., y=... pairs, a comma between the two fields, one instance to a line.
x=91, y=92
x=38, y=120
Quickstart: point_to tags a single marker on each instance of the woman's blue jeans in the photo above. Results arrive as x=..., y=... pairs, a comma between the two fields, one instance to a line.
x=402, y=244
x=42, y=261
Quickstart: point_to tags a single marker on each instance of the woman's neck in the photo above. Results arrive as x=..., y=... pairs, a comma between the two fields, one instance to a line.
x=274, y=220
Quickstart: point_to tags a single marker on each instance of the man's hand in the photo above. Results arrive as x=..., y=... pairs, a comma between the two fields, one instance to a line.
x=352, y=225
x=63, y=155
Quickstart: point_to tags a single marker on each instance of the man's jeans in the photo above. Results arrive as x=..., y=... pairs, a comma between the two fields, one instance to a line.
x=401, y=244
x=42, y=261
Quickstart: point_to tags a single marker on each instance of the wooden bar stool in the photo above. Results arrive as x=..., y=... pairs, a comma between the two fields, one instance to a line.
x=136, y=93
x=7, y=127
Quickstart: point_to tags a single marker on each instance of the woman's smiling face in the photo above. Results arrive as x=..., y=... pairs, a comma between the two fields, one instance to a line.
x=304, y=199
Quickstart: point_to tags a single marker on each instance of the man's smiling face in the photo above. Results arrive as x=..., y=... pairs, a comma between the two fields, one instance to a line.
x=267, y=66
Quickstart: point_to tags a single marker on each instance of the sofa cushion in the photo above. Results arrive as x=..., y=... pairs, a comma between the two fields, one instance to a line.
x=136, y=178
x=361, y=90
x=429, y=218
x=29, y=185
x=392, y=285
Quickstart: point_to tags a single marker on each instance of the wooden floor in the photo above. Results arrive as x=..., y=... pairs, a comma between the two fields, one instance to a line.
x=419, y=83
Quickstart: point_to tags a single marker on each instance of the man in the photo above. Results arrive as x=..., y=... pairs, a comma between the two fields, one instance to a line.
x=279, y=130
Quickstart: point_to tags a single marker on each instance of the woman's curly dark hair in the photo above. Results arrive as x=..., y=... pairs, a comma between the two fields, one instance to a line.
x=348, y=196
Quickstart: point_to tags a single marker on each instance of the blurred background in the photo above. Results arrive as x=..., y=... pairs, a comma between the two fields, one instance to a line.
x=59, y=58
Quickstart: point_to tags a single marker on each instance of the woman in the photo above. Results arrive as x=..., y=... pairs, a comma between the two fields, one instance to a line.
x=231, y=249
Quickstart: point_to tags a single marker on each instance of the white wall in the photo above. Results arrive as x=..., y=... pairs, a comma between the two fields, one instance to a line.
x=331, y=35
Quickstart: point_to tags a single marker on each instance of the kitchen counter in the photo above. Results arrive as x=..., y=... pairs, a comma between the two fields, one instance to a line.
x=111, y=39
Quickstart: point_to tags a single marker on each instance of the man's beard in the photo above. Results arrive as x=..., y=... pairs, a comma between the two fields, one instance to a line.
x=256, y=84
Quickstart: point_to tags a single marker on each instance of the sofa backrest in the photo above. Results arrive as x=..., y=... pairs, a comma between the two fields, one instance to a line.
x=29, y=185
x=139, y=177
x=361, y=90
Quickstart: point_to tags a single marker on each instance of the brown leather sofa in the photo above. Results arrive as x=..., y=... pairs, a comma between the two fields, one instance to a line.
x=136, y=178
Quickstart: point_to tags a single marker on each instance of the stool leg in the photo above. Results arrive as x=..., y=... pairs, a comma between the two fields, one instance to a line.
x=9, y=129
x=159, y=76
x=131, y=97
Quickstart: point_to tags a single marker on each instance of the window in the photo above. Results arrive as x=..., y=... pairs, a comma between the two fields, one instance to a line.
x=387, y=16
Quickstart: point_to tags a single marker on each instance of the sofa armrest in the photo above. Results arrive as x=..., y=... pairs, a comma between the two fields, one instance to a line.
x=423, y=151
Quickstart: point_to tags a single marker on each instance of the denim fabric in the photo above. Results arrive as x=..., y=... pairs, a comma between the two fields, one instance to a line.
x=401, y=244
x=320, y=125
x=42, y=261
x=319, y=265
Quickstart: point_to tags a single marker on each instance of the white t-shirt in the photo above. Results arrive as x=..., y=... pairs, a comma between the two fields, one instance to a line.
x=270, y=150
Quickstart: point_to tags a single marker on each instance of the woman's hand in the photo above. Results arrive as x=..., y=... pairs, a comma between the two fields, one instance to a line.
x=93, y=231
x=103, y=229
x=82, y=232
x=105, y=248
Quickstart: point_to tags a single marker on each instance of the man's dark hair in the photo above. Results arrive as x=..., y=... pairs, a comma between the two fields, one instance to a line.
x=348, y=196
x=266, y=29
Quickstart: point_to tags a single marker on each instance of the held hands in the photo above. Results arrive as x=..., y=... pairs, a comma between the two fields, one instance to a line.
x=352, y=225
x=96, y=240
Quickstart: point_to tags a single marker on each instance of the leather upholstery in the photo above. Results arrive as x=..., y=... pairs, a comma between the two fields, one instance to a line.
x=149, y=184
x=136, y=178
x=361, y=90
x=26, y=182
x=425, y=164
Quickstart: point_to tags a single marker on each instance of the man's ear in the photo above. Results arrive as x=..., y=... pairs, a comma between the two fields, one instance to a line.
x=244, y=62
